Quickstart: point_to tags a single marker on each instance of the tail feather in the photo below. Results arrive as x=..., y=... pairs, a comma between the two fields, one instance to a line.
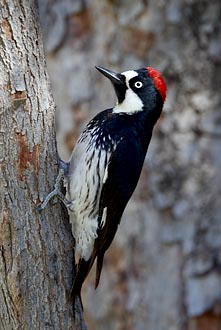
x=83, y=269
x=100, y=258
x=81, y=274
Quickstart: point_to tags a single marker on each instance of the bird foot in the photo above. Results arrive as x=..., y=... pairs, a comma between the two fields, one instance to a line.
x=55, y=192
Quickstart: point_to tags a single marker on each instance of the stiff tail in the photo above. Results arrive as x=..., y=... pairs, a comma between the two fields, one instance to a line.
x=100, y=258
x=83, y=268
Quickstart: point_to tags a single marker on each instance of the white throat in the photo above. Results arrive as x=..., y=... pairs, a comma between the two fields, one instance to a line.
x=132, y=103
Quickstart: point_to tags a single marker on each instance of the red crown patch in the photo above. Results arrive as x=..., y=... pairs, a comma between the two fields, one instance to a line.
x=158, y=82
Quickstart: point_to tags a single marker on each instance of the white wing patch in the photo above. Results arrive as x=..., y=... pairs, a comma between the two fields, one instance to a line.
x=105, y=174
x=87, y=172
x=104, y=216
x=132, y=103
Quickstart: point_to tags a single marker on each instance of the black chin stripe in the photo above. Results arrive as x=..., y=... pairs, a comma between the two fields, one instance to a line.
x=120, y=91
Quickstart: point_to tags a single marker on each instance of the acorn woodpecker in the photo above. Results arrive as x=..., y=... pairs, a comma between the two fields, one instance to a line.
x=106, y=163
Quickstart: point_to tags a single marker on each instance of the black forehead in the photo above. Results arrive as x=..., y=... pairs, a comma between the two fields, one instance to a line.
x=142, y=73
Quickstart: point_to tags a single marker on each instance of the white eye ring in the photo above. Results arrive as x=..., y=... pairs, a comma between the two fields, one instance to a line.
x=138, y=84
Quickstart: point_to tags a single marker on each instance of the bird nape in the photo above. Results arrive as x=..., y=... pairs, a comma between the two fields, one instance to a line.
x=106, y=163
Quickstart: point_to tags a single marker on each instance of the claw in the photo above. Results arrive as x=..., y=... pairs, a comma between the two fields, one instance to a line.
x=55, y=192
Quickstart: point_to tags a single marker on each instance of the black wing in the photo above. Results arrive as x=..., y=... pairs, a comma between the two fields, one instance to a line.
x=123, y=174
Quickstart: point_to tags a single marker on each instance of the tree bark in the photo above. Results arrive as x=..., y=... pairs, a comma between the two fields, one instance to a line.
x=36, y=250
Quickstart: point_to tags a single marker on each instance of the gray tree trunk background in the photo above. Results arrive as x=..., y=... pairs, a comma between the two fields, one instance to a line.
x=36, y=250
x=163, y=270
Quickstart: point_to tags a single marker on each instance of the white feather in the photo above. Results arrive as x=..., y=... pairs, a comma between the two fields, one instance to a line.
x=132, y=103
x=129, y=75
x=103, y=220
x=83, y=190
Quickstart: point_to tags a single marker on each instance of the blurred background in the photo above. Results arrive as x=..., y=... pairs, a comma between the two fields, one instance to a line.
x=163, y=271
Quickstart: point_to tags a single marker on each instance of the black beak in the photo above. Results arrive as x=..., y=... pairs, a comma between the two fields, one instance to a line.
x=118, y=81
x=115, y=78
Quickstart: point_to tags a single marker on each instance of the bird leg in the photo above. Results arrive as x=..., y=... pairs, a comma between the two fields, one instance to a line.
x=56, y=192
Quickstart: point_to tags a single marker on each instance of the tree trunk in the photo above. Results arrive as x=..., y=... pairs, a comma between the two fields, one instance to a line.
x=36, y=250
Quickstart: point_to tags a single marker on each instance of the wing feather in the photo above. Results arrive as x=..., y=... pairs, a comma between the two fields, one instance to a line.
x=123, y=173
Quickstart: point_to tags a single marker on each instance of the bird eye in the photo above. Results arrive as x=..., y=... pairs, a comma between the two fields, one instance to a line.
x=138, y=84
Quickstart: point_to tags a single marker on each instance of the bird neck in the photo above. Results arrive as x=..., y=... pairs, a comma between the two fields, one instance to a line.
x=152, y=112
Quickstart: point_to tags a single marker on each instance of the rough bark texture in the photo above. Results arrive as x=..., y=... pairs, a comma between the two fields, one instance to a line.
x=36, y=250
x=163, y=270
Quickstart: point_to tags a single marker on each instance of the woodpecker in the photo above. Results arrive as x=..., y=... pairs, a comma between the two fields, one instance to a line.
x=106, y=163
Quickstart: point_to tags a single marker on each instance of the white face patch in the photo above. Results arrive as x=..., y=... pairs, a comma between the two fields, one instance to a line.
x=129, y=74
x=132, y=103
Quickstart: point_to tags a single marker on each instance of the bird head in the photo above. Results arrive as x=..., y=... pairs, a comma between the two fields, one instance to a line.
x=137, y=90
